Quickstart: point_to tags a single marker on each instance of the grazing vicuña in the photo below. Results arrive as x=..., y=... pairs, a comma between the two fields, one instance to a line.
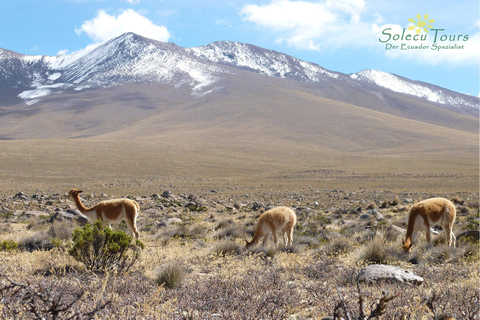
x=279, y=218
x=427, y=213
x=110, y=211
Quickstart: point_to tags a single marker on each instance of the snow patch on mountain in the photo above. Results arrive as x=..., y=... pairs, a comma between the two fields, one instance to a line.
x=263, y=61
x=402, y=85
x=126, y=59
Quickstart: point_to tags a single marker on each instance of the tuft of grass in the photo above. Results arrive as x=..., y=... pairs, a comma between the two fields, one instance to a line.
x=171, y=275
x=227, y=247
x=61, y=230
x=231, y=231
x=375, y=251
x=337, y=247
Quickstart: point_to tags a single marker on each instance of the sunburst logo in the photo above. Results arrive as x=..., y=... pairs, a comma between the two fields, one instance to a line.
x=421, y=24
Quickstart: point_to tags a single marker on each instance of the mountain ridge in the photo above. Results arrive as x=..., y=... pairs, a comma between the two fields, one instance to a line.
x=131, y=58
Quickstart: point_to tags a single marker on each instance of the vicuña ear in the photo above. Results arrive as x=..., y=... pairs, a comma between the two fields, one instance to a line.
x=403, y=241
x=79, y=191
x=412, y=244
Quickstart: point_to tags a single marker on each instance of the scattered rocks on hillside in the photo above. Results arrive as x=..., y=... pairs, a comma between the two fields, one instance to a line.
x=372, y=213
x=35, y=214
x=381, y=272
x=68, y=215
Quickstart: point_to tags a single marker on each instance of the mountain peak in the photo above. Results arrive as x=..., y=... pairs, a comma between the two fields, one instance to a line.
x=131, y=58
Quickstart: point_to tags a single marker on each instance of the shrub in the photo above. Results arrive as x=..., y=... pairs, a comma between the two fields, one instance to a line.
x=52, y=298
x=227, y=247
x=37, y=241
x=171, y=275
x=338, y=247
x=100, y=249
x=61, y=230
x=375, y=251
x=8, y=245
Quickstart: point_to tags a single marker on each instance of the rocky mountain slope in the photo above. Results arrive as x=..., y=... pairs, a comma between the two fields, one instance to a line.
x=131, y=59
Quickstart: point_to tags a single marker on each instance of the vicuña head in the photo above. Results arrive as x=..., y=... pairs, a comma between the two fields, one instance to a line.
x=426, y=214
x=110, y=211
x=271, y=221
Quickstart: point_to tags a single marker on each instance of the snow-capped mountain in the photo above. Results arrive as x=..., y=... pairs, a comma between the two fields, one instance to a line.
x=419, y=89
x=132, y=59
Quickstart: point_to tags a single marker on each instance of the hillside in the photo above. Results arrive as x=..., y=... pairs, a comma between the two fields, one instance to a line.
x=137, y=108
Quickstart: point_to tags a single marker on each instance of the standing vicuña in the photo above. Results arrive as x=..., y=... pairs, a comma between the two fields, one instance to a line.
x=279, y=218
x=110, y=211
x=427, y=213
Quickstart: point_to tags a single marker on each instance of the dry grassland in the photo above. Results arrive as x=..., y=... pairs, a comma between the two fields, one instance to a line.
x=210, y=274
x=201, y=253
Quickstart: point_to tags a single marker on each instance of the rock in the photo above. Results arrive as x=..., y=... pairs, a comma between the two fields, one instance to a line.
x=408, y=200
x=381, y=272
x=257, y=206
x=372, y=213
x=35, y=213
x=69, y=215
x=470, y=234
x=397, y=229
x=168, y=194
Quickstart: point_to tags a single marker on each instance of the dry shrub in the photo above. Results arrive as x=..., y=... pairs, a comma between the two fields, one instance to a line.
x=375, y=251
x=257, y=295
x=171, y=275
x=230, y=231
x=61, y=230
x=227, y=247
x=338, y=246
x=182, y=231
x=47, y=298
x=37, y=241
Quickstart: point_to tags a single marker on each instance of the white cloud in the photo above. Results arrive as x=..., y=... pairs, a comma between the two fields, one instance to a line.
x=311, y=25
x=348, y=24
x=105, y=27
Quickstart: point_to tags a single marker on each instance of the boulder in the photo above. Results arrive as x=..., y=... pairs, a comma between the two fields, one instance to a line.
x=36, y=213
x=168, y=194
x=372, y=213
x=69, y=215
x=380, y=272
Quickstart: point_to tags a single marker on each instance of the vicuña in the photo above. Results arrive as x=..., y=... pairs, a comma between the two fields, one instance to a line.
x=279, y=218
x=110, y=211
x=426, y=214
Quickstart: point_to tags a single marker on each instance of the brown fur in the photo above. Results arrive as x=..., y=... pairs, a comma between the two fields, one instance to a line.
x=110, y=211
x=427, y=213
x=273, y=220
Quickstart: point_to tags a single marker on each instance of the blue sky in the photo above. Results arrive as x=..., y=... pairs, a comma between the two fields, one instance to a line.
x=340, y=35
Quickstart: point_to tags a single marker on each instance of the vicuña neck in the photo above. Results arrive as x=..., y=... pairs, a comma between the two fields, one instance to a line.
x=79, y=204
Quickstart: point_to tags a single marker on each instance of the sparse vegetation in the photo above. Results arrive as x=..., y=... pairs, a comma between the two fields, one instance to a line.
x=194, y=264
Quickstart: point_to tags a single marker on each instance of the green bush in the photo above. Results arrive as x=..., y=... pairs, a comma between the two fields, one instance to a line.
x=8, y=245
x=100, y=249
